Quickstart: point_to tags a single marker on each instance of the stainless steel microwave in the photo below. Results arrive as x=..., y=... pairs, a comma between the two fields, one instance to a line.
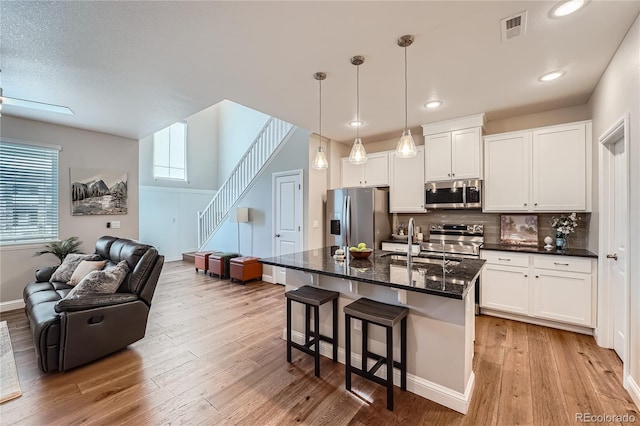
x=459, y=194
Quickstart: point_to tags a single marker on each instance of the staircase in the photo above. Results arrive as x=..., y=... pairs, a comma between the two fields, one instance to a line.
x=266, y=145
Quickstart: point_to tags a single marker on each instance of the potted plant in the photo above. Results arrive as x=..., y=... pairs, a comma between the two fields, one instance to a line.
x=61, y=249
x=564, y=225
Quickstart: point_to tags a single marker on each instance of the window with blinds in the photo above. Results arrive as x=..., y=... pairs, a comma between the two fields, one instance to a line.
x=169, y=152
x=28, y=193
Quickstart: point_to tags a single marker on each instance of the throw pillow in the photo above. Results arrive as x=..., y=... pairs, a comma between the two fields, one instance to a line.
x=83, y=270
x=105, y=281
x=70, y=263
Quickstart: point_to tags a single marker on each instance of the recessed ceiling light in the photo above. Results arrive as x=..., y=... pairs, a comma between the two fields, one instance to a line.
x=567, y=7
x=551, y=76
x=355, y=123
x=433, y=104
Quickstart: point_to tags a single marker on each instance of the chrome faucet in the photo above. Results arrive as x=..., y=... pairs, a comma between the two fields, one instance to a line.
x=410, y=243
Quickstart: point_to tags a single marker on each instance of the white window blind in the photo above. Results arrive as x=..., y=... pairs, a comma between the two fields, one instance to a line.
x=169, y=153
x=28, y=193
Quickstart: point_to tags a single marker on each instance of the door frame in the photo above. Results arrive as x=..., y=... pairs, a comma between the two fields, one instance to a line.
x=274, y=177
x=604, y=332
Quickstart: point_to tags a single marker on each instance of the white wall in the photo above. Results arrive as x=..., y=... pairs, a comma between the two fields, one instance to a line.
x=168, y=218
x=202, y=154
x=80, y=148
x=617, y=94
x=256, y=237
x=238, y=127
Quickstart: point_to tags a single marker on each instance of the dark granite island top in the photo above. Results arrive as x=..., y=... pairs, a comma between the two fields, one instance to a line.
x=388, y=269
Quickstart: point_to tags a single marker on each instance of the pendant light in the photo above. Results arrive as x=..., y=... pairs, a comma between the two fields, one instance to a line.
x=406, y=146
x=358, y=155
x=320, y=161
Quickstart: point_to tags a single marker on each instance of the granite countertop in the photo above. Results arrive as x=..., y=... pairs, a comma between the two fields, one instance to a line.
x=387, y=269
x=540, y=250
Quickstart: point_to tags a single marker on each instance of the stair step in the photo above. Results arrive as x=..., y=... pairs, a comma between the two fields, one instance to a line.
x=189, y=257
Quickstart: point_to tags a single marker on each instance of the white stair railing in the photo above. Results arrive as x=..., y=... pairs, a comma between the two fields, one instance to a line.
x=262, y=149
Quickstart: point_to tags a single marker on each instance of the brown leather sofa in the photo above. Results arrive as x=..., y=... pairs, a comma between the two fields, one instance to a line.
x=68, y=333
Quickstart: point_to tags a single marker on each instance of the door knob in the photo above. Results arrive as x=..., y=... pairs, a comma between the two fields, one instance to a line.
x=613, y=256
x=277, y=235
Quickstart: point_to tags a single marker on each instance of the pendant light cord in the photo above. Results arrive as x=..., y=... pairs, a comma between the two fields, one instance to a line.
x=406, y=108
x=358, y=101
x=320, y=123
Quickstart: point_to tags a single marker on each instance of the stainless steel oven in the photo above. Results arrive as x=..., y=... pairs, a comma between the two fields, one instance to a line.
x=459, y=194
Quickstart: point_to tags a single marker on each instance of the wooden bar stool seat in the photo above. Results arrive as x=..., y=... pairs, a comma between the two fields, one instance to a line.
x=312, y=298
x=387, y=316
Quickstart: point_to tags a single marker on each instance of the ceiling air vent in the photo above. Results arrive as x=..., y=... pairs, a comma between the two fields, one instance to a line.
x=513, y=26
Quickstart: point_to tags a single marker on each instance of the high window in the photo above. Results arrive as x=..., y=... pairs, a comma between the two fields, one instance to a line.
x=28, y=193
x=169, y=153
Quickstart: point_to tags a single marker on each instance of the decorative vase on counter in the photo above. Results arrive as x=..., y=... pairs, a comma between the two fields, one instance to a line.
x=561, y=242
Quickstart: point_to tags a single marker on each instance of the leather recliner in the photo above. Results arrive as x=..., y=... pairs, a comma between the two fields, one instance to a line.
x=68, y=333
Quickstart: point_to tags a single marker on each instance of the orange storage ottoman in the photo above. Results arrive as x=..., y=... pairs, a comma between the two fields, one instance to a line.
x=202, y=260
x=219, y=263
x=245, y=268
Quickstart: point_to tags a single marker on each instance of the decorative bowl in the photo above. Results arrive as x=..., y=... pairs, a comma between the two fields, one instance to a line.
x=361, y=254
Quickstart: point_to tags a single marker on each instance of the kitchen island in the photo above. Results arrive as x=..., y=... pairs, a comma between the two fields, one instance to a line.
x=440, y=327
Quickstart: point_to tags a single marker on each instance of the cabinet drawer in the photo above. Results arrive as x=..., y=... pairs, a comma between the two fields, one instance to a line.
x=400, y=248
x=505, y=258
x=562, y=263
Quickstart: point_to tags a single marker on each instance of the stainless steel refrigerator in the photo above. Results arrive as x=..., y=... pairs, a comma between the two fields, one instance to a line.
x=357, y=215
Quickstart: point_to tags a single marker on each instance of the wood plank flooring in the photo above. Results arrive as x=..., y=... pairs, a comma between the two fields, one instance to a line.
x=214, y=354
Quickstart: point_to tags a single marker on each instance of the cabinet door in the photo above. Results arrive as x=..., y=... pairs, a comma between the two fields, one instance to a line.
x=506, y=183
x=352, y=174
x=406, y=183
x=559, y=169
x=563, y=296
x=505, y=288
x=437, y=158
x=376, y=170
x=466, y=154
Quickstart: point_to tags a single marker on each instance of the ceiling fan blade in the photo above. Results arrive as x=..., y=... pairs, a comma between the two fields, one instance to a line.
x=23, y=103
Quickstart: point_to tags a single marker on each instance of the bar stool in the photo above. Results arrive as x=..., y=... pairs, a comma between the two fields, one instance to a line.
x=384, y=315
x=312, y=297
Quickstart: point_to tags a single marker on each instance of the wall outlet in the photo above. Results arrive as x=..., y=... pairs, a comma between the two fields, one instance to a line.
x=115, y=224
x=315, y=224
x=357, y=324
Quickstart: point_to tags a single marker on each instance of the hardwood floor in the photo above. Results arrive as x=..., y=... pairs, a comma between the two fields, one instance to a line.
x=213, y=354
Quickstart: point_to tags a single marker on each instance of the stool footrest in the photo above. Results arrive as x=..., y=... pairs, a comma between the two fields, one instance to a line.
x=305, y=348
x=379, y=358
x=368, y=376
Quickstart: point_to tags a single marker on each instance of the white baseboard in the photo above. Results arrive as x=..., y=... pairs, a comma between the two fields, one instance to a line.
x=538, y=321
x=11, y=305
x=432, y=391
x=173, y=259
x=634, y=390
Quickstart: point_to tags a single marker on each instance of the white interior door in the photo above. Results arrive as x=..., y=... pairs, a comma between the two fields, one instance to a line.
x=618, y=236
x=287, y=189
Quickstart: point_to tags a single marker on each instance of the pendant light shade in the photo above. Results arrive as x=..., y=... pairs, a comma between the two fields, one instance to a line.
x=320, y=161
x=358, y=154
x=406, y=146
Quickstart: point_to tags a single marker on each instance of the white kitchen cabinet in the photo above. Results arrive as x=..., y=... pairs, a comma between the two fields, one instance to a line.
x=406, y=183
x=453, y=155
x=505, y=288
x=400, y=247
x=560, y=289
x=540, y=170
x=374, y=172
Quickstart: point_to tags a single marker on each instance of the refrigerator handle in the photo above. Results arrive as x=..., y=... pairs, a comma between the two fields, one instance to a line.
x=347, y=220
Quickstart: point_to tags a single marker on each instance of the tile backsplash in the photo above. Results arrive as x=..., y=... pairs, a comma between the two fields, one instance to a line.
x=491, y=222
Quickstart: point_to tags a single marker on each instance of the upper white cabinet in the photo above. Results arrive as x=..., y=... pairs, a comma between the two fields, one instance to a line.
x=375, y=172
x=540, y=170
x=406, y=183
x=453, y=149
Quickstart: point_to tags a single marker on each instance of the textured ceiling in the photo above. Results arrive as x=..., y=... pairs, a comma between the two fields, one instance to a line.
x=131, y=68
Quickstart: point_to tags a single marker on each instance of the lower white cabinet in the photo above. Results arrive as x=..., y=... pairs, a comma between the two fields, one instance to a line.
x=556, y=288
